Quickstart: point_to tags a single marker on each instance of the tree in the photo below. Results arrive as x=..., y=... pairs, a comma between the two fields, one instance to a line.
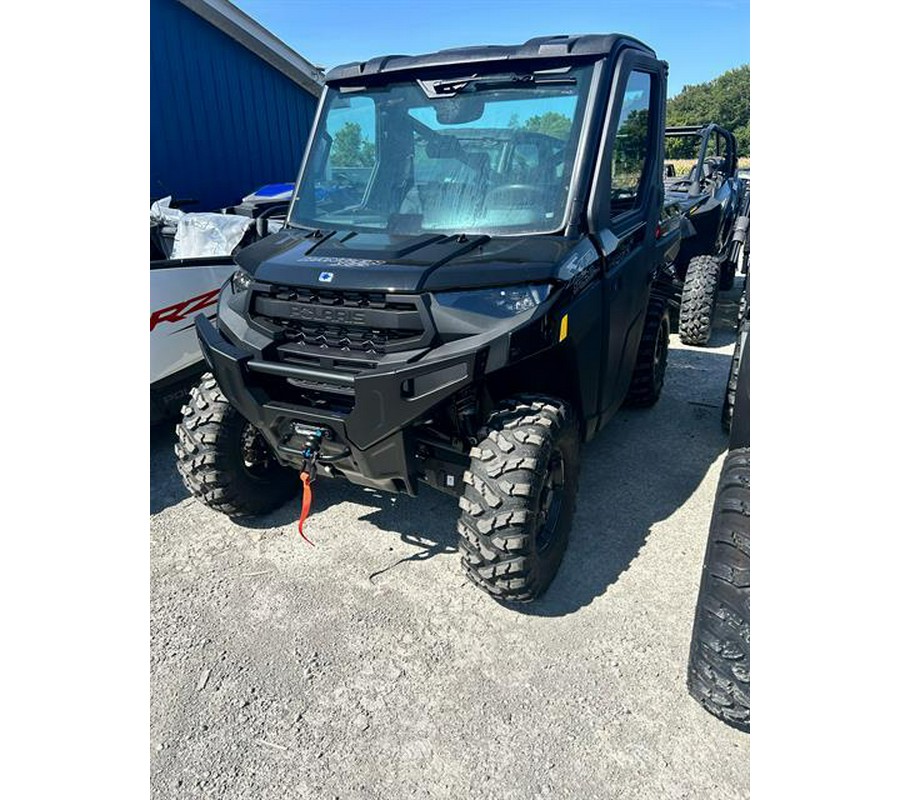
x=551, y=123
x=631, y=148
x=349, y=149
x=725, y=100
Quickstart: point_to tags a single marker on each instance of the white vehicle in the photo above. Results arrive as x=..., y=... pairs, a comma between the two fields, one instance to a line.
x=190, y=259
x=179, y=290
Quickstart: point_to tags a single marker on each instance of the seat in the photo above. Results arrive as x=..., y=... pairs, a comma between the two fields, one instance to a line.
x=455, y=194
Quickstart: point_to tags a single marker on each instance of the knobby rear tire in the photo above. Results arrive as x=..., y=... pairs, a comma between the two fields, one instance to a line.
x=653, y=354
x=698, y=300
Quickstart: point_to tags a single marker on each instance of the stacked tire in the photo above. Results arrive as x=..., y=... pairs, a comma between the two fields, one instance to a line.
x=719, y=665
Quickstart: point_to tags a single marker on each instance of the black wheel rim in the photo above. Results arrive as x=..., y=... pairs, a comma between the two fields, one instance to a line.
x=551, y=502
x=257, y=459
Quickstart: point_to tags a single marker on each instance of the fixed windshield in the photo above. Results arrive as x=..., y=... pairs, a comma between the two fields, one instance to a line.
x=489, y=154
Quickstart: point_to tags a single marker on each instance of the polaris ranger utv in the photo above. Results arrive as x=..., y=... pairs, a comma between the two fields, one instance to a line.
x=711, y=196
x=493, y=287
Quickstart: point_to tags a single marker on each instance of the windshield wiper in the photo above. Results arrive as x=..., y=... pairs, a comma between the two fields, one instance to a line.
x=519, y=82
x=475, y=83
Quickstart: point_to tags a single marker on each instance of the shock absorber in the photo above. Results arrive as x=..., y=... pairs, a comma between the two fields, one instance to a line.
x=465, y=409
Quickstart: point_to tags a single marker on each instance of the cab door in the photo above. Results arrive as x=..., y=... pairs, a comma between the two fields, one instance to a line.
x=625, y=210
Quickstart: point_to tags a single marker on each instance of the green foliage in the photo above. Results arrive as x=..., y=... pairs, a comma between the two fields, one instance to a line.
x=349, y=149
x=725, y=100
x=630, y=149
x=550, y=123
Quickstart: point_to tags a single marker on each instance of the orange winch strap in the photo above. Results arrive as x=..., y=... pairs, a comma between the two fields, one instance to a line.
x=307, y=503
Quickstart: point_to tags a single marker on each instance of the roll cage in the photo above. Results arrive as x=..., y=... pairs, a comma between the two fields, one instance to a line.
x=707, y=168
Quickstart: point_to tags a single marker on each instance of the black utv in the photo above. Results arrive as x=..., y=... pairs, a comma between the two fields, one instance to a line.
x=711, y=196
x=491, y=287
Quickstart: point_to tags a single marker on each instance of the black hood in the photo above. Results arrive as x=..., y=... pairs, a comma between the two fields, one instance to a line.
x=380, y=262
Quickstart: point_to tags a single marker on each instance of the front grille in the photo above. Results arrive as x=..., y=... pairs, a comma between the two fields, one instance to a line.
x=338, y=337
x=331, y=297
x=366, y=324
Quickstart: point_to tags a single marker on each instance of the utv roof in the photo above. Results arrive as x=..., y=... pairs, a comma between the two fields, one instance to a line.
x=549, y=48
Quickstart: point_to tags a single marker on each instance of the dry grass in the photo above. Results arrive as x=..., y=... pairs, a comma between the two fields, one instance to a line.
x=683, y=165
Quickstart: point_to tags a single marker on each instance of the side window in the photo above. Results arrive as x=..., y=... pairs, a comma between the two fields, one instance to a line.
x=631, y=146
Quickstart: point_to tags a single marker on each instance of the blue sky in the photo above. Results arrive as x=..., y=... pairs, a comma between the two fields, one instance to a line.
x=699, y=38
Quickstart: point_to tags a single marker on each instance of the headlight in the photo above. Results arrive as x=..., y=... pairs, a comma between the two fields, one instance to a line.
x=498, y=303
x=241, y=281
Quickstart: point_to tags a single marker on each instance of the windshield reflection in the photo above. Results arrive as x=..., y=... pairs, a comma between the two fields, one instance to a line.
x=495, y=155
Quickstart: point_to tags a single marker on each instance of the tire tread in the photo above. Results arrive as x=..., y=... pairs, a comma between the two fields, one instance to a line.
x=208, y=425
x=698, y=300
x=497, y=515
x=719, y=663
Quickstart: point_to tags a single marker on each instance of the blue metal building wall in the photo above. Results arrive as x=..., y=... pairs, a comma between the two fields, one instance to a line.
x=222, y=121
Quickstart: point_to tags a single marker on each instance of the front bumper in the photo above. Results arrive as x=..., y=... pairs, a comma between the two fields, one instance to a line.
x=373, y=443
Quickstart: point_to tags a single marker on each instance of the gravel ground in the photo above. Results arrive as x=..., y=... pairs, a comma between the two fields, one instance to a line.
x=366, y=667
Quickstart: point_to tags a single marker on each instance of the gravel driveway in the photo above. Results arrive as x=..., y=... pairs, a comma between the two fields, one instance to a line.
x=366, y=667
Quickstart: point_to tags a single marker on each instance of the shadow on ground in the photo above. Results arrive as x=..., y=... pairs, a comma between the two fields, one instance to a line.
x=427, y=522
x=638, y=471
x=166, y=488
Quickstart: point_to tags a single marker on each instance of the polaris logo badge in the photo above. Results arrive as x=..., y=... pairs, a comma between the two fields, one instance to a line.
x=326, y=277
x=340, y=315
